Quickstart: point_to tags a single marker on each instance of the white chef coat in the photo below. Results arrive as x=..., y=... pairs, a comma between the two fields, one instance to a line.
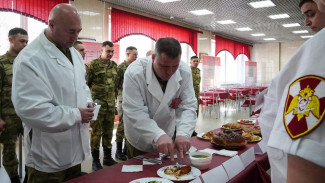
x=47, y=91
x=309, y=61
x=147, y=114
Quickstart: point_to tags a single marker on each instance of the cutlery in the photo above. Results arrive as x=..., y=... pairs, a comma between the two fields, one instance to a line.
x=151, y=160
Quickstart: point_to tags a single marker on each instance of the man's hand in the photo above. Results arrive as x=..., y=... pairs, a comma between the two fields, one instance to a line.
x=86, y=114
x=165, y=145
x=182, y=145
x=2, y=125
x=90, y=105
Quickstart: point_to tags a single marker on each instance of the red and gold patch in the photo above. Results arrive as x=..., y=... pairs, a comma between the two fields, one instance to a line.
x=305, y=105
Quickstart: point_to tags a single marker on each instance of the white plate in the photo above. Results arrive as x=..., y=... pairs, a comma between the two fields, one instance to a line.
x=259, y=139
x=148, y=179
x=200, y=135
x=246, y=123
x=192, y=175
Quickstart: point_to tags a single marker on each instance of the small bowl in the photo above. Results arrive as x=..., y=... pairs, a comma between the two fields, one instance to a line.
x=201, y=163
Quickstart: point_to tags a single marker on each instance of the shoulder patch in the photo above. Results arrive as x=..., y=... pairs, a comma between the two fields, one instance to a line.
x=305, y=105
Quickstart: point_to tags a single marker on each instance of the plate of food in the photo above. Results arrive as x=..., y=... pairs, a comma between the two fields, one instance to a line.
x=172, y=173
x=228, y=140
x=231, y=126
x=151, y=180
x=256, y=130
x=247, y=121
x=206, y=135
x=250, y=137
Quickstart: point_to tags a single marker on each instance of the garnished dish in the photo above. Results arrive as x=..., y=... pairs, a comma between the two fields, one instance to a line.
x=228, y=140
x=200, y=156
x=206, y=136
x=151, y=180
x=247, y=121
x=185, y=173
x=256, y=130
x=231, y=126
x=251, y=137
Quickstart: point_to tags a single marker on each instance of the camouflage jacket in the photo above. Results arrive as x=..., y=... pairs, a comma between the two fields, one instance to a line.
x=6, y=64
x=196, y=76
x=102, y=81
x=120, y=72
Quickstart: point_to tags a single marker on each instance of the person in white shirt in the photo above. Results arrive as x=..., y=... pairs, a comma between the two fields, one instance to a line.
x=50, y=95
x=292, y=117
x=159, y=102
x=313, y=17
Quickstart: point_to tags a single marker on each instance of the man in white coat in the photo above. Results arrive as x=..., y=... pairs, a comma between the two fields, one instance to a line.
x=159, y=102
x=51, y=97
x=292, y=117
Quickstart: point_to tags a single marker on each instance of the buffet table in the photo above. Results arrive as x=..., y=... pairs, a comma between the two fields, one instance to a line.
x=254, y=172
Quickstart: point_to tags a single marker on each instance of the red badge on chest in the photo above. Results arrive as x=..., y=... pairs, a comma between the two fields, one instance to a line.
x=175, y=103
x=305, y=106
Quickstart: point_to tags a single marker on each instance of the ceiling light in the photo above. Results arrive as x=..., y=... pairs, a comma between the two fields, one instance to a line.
x=201, y=12
x=291, y=25
x=261, y=4
x=259, y=34
x=269, y=39
x=89, y=13
x=305, y=37
x=244, y=29
x=279, y=16
x=300, y=31
x=203, y=38
x=226, y=22
x=167, y=1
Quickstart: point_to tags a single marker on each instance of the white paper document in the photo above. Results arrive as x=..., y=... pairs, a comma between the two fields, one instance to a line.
x=132, y=168
x=217, y=174
x=96, y=110
x=248, y=156
x=222, y=152
x=233, y=166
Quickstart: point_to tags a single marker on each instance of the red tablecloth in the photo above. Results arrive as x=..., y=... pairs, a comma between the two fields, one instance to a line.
x=254, y=173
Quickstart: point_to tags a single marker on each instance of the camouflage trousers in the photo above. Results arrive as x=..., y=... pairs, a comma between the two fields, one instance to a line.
x=132, y=151
x=120, y=127
x=198, y=104
x=8, y=139
x=102, y=128
x=35, y=176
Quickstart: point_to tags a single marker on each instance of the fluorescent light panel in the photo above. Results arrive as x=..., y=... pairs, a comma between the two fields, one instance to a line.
x=300, y=31
x=259, y=34
x=244, y=29
x=261, y=4
x=279, y=16
x=201, y=12
x=291, y=25
x=226, y=22
x=269, y=39
x=167, y=1
x=305, y=37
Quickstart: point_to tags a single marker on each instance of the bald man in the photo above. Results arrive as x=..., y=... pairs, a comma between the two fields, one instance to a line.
x=52, y=99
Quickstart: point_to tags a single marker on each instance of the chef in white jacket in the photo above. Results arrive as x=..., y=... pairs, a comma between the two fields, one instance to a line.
x=51, y=97
x=292, y=117
x=158, y=98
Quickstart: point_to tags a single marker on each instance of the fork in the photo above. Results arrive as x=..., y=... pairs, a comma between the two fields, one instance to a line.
x=156, y=161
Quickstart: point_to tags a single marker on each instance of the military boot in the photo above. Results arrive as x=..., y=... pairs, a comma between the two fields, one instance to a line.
x=119, y=153
x=96, y=163
x=108, y=160
x=125, y=150
x=15, y=179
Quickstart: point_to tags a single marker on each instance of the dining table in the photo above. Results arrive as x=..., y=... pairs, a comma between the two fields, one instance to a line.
x=255, y=172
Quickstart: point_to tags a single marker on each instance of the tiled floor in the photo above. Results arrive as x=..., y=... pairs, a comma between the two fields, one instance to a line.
x=204, y=124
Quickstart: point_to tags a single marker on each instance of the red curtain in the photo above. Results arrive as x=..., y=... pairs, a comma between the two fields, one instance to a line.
x=125, y=23
x=38, y=9
x=234, y=48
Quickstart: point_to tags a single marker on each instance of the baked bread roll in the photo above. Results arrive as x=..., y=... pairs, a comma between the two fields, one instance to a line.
x=231, y=126
x=208, y=135
x=229, y=138
x=256, y=130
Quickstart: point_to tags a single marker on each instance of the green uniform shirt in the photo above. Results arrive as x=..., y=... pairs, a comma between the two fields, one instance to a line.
x=196, y=76
x=103, y=81
x=120, y=74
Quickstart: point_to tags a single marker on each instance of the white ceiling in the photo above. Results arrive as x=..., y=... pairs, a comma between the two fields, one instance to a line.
x=237, y=10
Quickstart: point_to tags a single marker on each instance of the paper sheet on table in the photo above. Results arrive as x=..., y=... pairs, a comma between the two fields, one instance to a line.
x=248, y=156
x=222, y=152
x=233, y=166
x=96, y=110
x=219, y=172
x=260, y=148
x=132, y=168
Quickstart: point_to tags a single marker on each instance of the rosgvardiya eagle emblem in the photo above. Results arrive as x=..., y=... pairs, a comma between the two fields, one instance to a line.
x=304, y=109
x=304, y=103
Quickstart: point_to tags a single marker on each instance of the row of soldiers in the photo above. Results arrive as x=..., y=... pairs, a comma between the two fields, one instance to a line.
x=105, y=80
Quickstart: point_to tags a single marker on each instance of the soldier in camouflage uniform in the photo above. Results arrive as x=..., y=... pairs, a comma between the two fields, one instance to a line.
x=196, y=76
x=131, y=55
x=18, y=39
x=102, y=80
